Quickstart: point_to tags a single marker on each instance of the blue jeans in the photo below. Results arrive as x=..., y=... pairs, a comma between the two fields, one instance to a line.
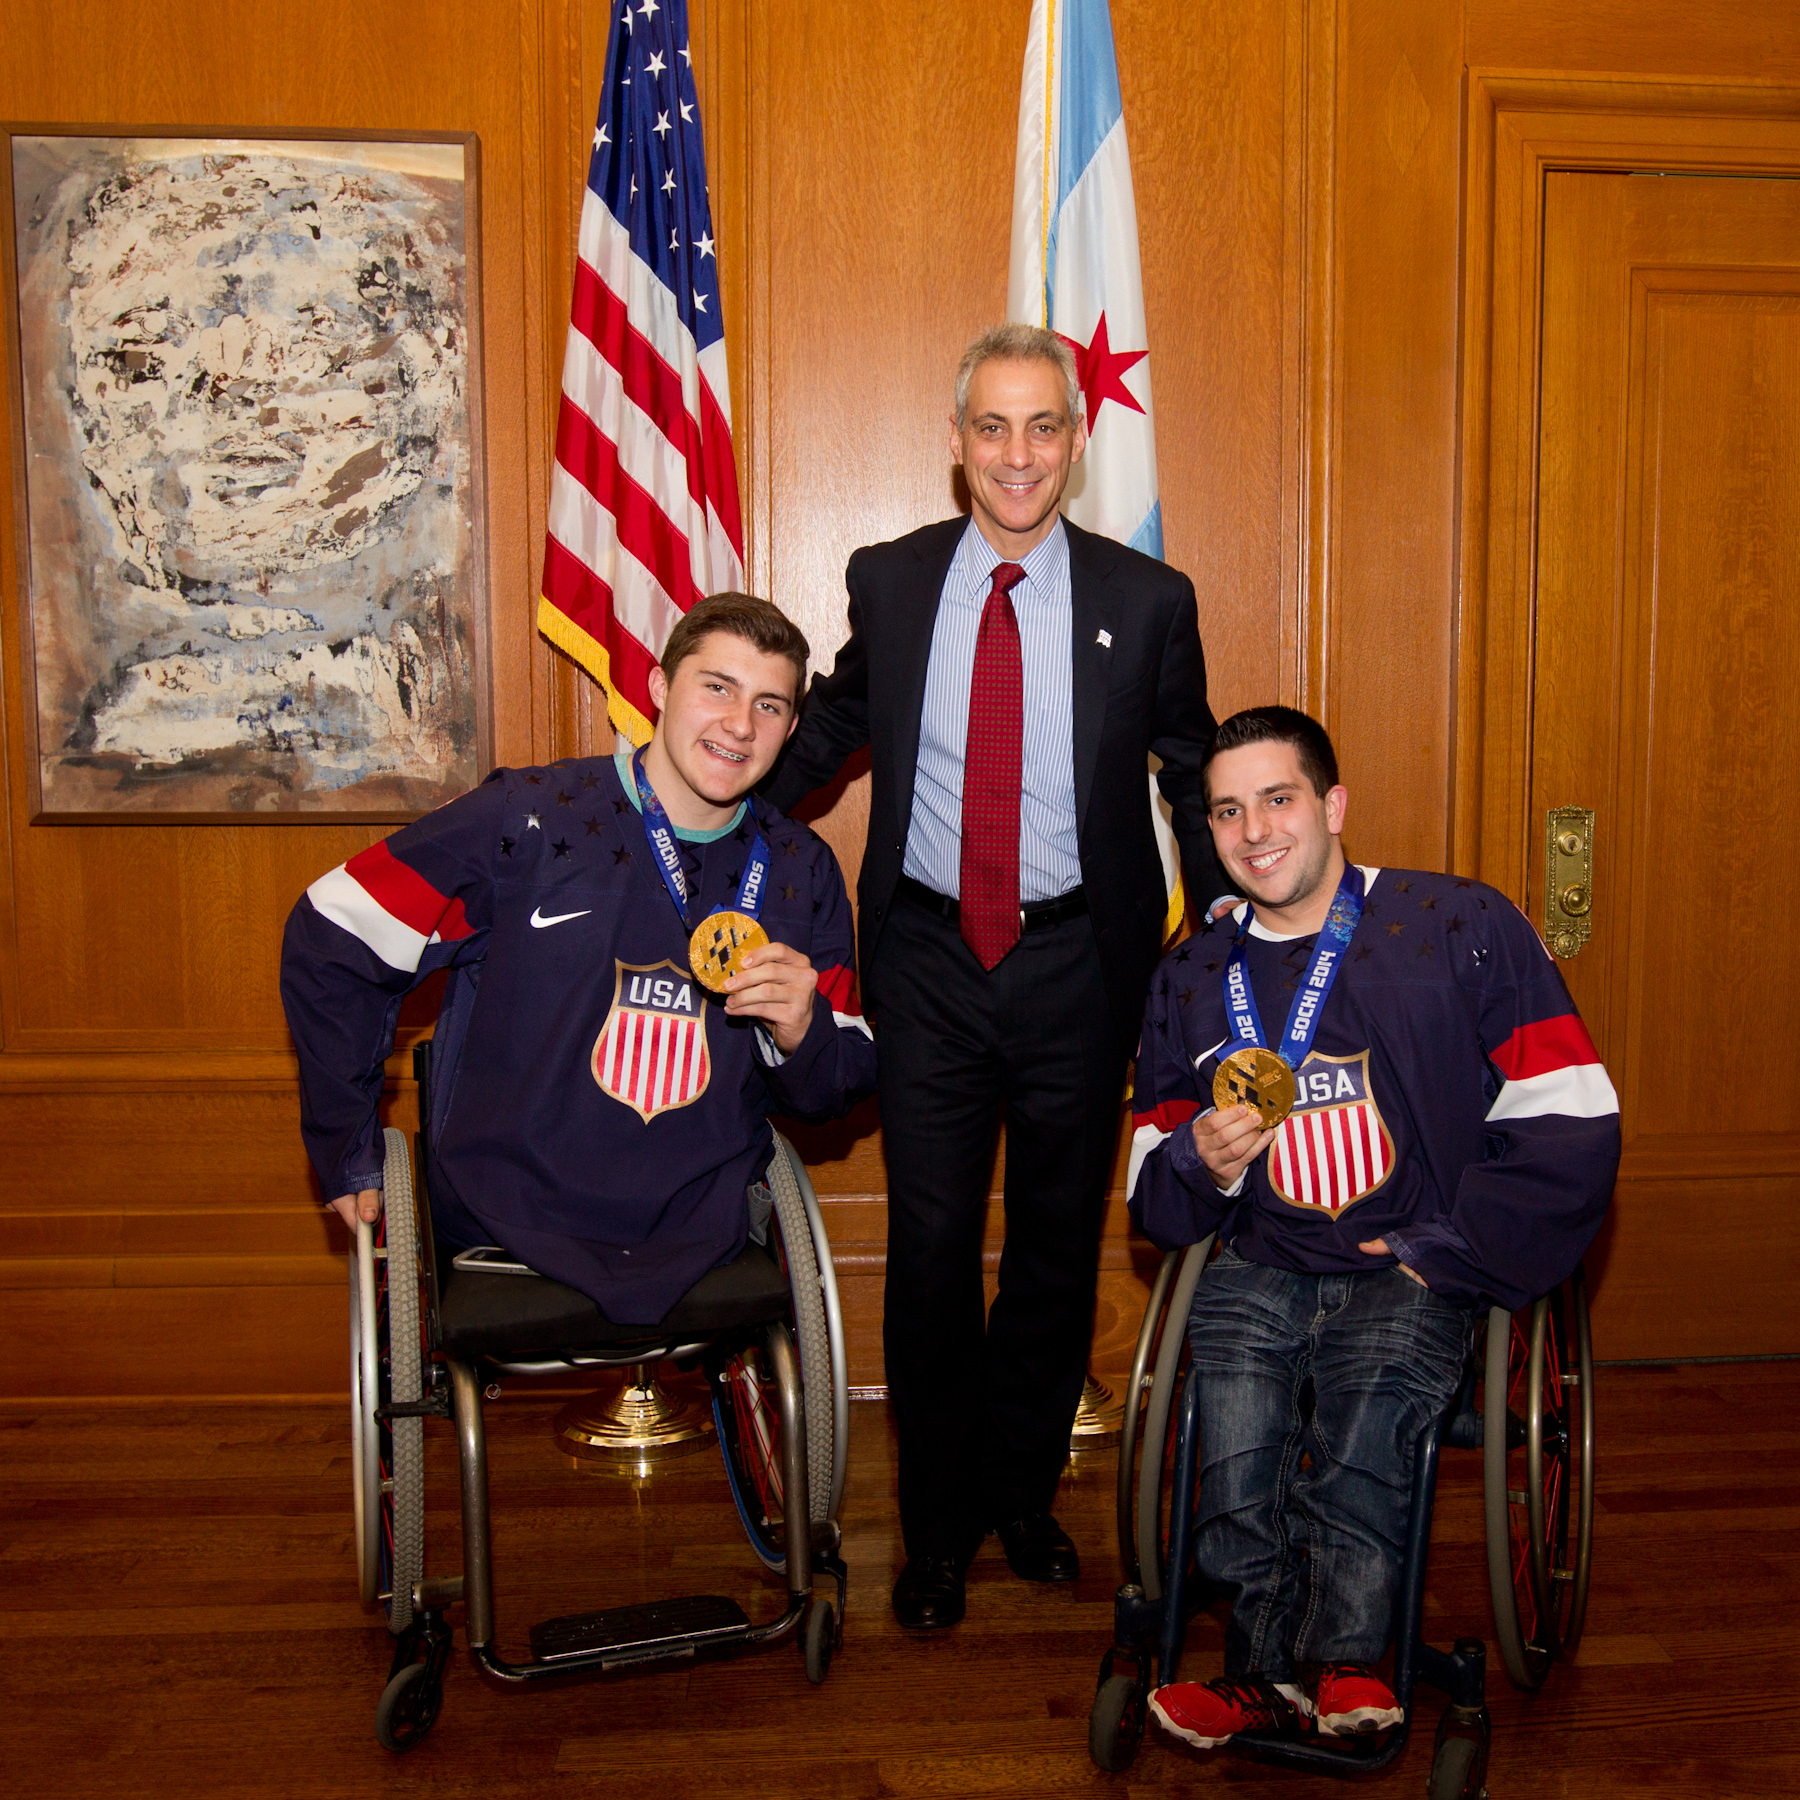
x=1303, y=1506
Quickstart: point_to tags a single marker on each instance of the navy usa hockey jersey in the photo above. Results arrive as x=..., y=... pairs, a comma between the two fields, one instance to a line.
x=1452, y=1101
x=594, y=1110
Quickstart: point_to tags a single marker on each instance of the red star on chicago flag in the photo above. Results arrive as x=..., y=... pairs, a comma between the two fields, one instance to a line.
x=1101, y=369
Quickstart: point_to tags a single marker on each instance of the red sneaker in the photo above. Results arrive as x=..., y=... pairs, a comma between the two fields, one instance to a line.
x=1205, y=1714
x=1346, y=1700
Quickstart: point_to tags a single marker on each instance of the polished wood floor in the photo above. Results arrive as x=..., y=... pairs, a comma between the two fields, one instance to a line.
x=180, y=1618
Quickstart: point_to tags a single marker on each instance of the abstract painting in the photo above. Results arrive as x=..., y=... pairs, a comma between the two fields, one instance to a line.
x=253, y=557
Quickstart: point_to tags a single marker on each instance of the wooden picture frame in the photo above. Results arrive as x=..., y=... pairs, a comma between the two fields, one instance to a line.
x=249, y=495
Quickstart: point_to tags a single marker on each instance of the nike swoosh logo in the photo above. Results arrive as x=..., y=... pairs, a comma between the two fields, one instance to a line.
x=539, y=921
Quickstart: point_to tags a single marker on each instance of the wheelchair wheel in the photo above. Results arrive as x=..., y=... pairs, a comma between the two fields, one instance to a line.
x=748, y=1415
x=1144, y=1519
x=1116, y=1723
x=805, y=1252
x=1456, y=1770
x=386, y=1365
x=744, y=1399
x=1538, y=1452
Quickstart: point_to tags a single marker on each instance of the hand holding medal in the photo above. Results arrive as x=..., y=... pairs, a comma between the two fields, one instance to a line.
x=776, y=985
x=1252, y=1075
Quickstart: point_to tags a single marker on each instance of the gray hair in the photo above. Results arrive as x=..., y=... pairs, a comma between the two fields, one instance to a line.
x=1013, y=342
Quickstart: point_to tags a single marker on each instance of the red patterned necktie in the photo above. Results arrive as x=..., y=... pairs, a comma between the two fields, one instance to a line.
x=993, y=776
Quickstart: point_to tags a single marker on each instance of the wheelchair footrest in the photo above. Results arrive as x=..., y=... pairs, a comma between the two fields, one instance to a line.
x=674, y=1622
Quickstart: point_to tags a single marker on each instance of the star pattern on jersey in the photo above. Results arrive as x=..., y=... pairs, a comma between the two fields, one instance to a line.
x=533, y=822
x=506, y=846
x=1425, y=949
x=1429, y=903
x=535, y=779
x=1455, y=925
x=789, y=891
x=561, y=847
x=593, y=825
x=621, y=855
x=1362, y=952
x=1395, y=929
x=564, y=797
x=621, y=804
x=789, y=847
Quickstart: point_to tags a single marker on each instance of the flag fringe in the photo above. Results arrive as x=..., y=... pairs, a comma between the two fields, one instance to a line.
x=1177, y=906
x=587, y=650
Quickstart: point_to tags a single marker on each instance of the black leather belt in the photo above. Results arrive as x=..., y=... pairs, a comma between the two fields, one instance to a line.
x=1036, y=917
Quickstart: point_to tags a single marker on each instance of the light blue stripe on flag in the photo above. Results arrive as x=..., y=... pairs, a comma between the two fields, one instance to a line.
x=1091, y=107
x=1148, y=536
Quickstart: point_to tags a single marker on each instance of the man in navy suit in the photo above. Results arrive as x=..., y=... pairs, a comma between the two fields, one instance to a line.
x=1010, y=674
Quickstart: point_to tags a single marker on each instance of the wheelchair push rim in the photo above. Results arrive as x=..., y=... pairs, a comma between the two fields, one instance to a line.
x=1538, y=1442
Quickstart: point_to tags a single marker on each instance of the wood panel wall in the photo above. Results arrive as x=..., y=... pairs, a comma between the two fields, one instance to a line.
x=1298, y=175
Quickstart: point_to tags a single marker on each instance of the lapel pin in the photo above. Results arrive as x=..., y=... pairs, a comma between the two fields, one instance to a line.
x=1104, y=640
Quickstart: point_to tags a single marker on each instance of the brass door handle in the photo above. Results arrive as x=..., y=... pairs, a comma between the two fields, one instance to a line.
x=1568, y=879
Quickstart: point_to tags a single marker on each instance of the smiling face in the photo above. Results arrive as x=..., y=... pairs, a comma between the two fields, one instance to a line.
x=1277, y=838
x=1017, y=447
x=725, y=714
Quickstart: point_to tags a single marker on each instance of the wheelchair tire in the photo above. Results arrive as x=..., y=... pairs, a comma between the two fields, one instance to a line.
x=1116, y=1724
x=1538, y=1478
x=821, y=1640
x=1165, y=1388
x=402, y=1440
x=823, y=1366
x=408, y=1708
x=1455, y=1770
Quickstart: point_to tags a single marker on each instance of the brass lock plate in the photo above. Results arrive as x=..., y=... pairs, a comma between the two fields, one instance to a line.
x=1568, y=879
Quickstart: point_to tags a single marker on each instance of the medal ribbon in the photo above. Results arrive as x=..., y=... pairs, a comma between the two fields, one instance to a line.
x=1309, y=1002
x=661, y=834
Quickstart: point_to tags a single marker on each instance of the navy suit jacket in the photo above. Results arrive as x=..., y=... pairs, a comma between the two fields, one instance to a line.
x=1139, y=686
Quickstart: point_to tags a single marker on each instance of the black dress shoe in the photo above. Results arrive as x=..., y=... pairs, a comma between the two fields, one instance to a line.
x=1039, y=1549
x=929, y=1594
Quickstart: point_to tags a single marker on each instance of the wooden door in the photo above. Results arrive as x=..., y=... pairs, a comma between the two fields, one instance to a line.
x=1666, y=698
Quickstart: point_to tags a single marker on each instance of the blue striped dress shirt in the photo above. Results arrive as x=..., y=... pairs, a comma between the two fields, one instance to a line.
x=1049, y=856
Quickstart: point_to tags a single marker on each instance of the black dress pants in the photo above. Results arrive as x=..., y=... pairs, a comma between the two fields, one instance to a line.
x=985, y=1404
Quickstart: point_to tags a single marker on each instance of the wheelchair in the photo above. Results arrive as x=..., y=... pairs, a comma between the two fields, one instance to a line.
x=1534, y=1370
x=427, y=1336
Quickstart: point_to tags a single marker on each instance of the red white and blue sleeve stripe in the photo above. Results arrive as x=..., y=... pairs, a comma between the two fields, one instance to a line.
x=1551, y=1066
x=390, y=907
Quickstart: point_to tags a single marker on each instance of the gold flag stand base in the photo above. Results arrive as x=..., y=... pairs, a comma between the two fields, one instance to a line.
x=640, y=1426
x=1100, y=1418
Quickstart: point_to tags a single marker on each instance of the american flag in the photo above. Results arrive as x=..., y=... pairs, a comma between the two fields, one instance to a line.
x=643, y=500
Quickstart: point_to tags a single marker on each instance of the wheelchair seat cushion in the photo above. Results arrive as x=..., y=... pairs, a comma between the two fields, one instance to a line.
x=512, y=1316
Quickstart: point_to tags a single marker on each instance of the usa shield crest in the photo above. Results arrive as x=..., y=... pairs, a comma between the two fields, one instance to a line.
x=651, y=1052
x=1333, y=1149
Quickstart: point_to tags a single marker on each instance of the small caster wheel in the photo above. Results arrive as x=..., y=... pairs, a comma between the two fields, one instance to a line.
x=408, y=1707
x=821, y=1638
x=1116, y=1725
x=1456, y=1770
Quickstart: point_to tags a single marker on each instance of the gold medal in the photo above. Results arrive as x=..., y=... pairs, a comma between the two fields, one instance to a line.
x=1254, y=1077
x=716, y=950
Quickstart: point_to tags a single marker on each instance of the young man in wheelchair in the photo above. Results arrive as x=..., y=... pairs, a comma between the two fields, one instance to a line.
x=597, y=1111
x=1424, y=1129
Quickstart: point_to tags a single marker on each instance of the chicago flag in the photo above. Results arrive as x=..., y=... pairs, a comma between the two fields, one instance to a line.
x=1075, y=271
x=1075, y=260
